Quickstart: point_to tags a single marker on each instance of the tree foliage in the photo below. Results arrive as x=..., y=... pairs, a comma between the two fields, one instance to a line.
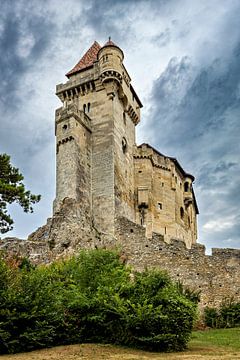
x=91, y=298
x=12, y=190
x=226, y=316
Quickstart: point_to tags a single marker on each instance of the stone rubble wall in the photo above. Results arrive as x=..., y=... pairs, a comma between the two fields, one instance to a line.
x=216, y=276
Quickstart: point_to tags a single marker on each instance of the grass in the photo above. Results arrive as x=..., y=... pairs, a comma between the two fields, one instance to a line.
x=221, y=344
x=219, y=337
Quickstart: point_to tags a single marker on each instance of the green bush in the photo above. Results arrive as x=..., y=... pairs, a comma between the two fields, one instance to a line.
x=91, y=298
x=227, y=316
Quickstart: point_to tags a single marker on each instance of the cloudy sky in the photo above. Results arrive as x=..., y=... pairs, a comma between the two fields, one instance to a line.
x=184, y=60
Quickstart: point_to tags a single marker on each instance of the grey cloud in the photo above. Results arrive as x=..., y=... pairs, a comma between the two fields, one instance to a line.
x=194, y=105
x=195, y=117
x=163, y=38
x=116, y=17
x=20, y=49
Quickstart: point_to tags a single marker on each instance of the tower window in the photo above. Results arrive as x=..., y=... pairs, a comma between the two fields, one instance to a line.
x=186, y=186
x=159, y=206
x=181, y=212
x=105, y=58
x=88, y=107
x=64, y=128
x=84, y=108
x=124, y=145
x=124, y=118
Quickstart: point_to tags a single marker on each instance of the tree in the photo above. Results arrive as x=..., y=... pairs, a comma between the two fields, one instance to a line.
x=12, y=190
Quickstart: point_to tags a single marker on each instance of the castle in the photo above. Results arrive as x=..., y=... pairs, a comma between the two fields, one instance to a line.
x=98, y=162
x=111, y=193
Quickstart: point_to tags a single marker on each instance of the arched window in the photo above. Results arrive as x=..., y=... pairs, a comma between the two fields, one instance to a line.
x=88, y=107
x=186, y=186
x=64, y=127
x=84, y=108
x=124, y=145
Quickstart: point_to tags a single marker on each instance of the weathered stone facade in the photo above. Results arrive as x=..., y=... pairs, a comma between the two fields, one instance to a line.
x=98, y=162
x=111, y=193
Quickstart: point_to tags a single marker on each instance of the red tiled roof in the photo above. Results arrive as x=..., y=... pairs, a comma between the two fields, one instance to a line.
x=87, y=60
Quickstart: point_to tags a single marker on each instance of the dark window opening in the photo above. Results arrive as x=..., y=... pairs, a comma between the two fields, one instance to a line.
x=124, y=145
x=88, y=107
x=181, y=212
x=84, y=108
x=142, y=208
x=124, y=118
x=105, y=58
x=64, y=127
x=159, y=205
x=186, y=186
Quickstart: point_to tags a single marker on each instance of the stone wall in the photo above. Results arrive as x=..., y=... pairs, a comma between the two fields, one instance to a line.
x=160, y=184
x=217, y=276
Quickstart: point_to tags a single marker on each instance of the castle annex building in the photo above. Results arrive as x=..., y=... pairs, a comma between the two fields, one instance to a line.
x=99, y=164
x=114, y=194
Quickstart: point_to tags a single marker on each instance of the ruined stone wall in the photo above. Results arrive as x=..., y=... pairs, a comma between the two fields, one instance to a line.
x=217, y=276
x=69, y=230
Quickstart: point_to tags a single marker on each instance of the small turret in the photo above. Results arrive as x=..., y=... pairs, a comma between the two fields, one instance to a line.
x=110, y=58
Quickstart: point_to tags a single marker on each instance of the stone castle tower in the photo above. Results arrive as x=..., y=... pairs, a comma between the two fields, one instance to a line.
x=112, y=193
x=98, y=162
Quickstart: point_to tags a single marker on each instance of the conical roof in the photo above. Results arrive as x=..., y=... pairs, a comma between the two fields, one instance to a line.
x=87, y=60
x=110, y=43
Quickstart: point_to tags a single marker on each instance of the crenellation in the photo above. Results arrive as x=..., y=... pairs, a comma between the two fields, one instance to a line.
x=225, y=253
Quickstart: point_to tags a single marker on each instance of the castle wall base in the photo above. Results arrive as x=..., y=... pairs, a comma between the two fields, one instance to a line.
x=216, y=276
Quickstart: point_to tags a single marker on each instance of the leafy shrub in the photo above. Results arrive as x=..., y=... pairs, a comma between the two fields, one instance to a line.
x=227, y=316
x=91, y=298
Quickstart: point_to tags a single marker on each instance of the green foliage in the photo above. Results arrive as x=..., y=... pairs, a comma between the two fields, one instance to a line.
x=12, y=190
x=91, y=298
x=227, y=316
